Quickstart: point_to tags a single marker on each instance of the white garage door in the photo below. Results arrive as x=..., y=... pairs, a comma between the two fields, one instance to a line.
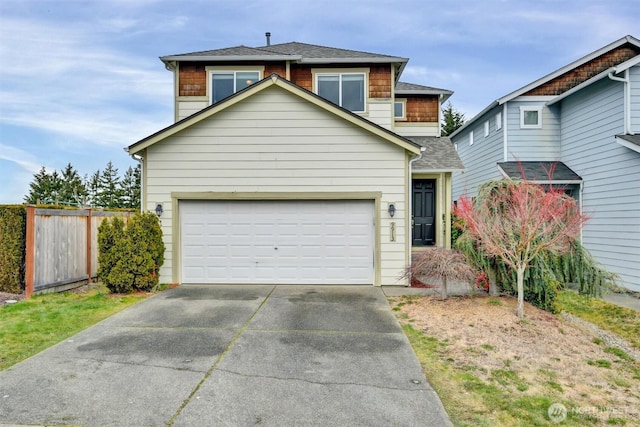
x=277, y=242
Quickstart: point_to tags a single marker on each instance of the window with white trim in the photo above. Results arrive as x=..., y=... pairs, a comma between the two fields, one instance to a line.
x=486, y=128
x=471, y=138
x=399, y=109
x=531, y=117
x=499, y=120
x=344, y=89
x=225, y=83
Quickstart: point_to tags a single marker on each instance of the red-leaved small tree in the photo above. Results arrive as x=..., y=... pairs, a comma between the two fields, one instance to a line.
x=440, y=263
x=517, y=220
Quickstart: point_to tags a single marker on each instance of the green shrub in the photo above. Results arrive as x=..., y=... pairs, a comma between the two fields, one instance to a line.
x=130, y=255
x=13, y=230
x=547, y=274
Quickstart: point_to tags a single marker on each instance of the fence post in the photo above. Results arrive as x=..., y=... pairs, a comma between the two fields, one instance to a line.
x=89, y=241
x=30, y=252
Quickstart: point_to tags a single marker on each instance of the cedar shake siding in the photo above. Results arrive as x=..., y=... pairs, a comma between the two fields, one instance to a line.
x=279, y=69
x=584, y=72
x=422, y=109
x=380, y=81
x=302, y=77
x=192, y=80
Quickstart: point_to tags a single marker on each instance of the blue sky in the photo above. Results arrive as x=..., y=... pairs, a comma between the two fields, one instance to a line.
x=80, y=80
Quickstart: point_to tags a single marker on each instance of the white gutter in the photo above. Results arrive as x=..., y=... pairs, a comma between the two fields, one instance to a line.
x=627, y=100
x=138, y=158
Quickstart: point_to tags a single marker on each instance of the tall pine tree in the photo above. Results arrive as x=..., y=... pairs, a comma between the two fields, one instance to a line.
x=130, y=188
x=452, y=119
x=109, y=190
x=73, y=191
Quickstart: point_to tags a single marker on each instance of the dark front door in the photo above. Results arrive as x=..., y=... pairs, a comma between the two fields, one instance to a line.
x=424, y=212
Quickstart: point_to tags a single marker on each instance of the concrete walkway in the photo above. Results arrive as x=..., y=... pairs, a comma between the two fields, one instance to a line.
x=230, y=356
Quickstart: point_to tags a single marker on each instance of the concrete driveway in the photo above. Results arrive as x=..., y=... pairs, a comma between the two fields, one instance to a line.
x=230, y=356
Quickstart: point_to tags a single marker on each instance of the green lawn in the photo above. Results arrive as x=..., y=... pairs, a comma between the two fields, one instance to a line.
x=622, y=321
x=30, y=326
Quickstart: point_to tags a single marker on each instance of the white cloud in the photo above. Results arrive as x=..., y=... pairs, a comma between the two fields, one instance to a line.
x=22, y=158
x=59, y=80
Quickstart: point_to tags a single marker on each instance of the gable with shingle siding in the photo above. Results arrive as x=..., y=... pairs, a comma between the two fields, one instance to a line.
x=585, y=71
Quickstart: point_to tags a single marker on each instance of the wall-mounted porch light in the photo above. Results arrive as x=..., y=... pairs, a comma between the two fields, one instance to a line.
x=159, y=209
x=391, y=209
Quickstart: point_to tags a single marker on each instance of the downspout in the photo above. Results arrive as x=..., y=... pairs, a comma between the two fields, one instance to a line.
x=581, y=193
x=138, y=158
x=505, y=141
x=440, y=115
x=627, y=100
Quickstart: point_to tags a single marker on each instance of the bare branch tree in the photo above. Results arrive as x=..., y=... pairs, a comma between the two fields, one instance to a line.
x=441, y=263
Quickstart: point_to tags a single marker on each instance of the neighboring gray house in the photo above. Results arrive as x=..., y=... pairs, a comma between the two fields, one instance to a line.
x=583, y=119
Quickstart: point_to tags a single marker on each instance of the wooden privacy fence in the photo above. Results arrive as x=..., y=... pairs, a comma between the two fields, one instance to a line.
x=61, y=247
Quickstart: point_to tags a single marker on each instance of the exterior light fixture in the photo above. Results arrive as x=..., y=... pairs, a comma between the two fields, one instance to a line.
x=159, y=210
x=392, y=210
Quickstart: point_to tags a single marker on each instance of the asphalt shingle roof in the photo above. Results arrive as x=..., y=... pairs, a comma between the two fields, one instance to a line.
x=539, y=171
x=231, y=51
x=404, y=87
x=295, y=50
x=316, y=51
x=439, y=154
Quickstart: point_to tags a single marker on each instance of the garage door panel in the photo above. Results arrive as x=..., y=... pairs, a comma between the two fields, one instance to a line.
x=298, y=242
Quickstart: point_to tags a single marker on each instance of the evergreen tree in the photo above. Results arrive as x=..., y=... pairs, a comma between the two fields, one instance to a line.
x=103, y=189
x=109, y=191
x=73, y=190
x=130, y=188
x=45, y=188
x=55, y=186
x=93, y=188
x=452, y=119
x=38, y=187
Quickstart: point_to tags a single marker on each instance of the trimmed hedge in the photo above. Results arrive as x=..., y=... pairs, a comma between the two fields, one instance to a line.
x=13, y=231
x=130, y=255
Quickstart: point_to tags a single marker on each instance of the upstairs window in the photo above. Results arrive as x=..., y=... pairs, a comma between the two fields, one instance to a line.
x=344, y=89
x=499, y=121
x=226, y=83
x=471, y=138
x=399, y=108
x=486, y=128
x=531, y=117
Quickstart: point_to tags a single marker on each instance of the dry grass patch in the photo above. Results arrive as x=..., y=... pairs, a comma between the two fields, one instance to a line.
x=491, y=368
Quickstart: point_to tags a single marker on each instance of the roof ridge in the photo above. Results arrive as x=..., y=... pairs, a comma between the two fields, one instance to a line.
x=324, y=47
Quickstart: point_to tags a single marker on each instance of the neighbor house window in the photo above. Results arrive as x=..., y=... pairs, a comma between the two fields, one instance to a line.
x=344, y=89
x=486, y=128
x=399, y=108
x=471, y=138
x=499, y=121
x=531, y=117
x=226, y=83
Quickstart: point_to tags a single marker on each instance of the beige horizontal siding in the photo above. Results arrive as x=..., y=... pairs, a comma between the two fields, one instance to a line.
x=412, y=129
x=187, y=108
x=274, y=142
x=381, y=113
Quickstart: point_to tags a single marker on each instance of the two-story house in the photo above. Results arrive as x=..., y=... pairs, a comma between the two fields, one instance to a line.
x=297, y=163
x=582, y=122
